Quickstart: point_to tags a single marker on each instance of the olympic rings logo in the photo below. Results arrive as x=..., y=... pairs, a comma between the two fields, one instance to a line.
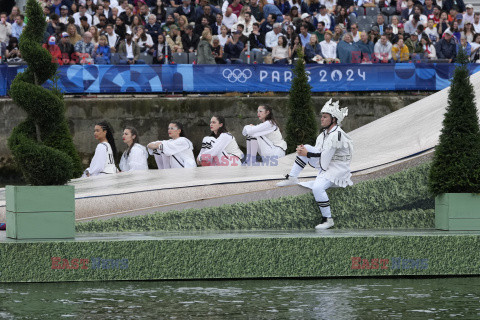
x=237, y=75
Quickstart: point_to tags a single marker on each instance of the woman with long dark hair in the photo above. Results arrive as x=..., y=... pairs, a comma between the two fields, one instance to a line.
x=220, y=148
x=264, y=138
x=103, y=162
x=135, y=157
x=174, y=153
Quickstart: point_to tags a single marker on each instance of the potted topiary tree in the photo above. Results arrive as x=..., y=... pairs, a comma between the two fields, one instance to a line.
x=301, y=124
x=42, y=145
x=454, y=177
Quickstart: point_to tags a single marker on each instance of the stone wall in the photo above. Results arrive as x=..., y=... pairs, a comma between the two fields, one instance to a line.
x=151, y=116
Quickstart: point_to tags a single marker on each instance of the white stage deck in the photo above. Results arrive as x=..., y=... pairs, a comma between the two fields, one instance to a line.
x=405, y=133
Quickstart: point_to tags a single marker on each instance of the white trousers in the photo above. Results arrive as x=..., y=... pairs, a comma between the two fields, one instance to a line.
x=319, y=186
x=265, y=148
x=166, y=162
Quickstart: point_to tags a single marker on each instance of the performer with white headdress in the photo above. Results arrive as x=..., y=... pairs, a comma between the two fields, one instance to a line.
x=331, y=155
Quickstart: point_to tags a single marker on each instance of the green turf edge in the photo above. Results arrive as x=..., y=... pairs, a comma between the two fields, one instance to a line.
x=242, y=257
x=400, y=200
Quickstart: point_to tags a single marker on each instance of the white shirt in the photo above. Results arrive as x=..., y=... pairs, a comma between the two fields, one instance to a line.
x=222, y=39
x=476, y=27
x=112, y=39
x=142, y=43
x=136, y=160
x=229, y=21
x=223, y=146
x=5, y=32
x=266, y=129
x=129, y=50
x=103, y=161
x=179, y=151
x=467, y=18
x=271, y=39
x=325, y=19
x=77, y=17
x=432, y=34
x=423, y=19
x=329, y=49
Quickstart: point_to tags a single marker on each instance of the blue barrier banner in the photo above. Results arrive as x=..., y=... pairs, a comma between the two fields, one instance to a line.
x=78, y=79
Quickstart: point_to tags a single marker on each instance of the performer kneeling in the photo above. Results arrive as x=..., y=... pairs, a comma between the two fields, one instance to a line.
x=331, y=155
x=174, y=153
x=136, y=155
x=220, y=148
x=103, y=162
x=265, y=138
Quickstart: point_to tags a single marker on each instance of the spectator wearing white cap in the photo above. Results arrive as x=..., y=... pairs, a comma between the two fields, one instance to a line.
x=468, y=16
x=324, y=17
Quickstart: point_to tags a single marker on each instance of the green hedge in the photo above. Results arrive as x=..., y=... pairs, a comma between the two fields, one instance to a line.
x=400, y=200
x=237, y=256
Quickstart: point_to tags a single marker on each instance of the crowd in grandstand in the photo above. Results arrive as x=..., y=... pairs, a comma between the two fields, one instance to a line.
x=247, y=31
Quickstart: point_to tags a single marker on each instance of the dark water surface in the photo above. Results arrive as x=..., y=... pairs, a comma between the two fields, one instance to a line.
x=447, y=298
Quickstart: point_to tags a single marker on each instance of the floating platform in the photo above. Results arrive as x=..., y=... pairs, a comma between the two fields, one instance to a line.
x=236, y=255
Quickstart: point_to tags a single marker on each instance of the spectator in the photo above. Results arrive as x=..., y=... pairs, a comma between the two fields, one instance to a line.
x=329, y=48
x=12, y=52
x=54, y=50
x=90, y=7
x=448, y=5
x=346, y=48
x=325, y=18
x=468, y=16
x=390, y=36
x=255, y=10
x=210, y=13
x=73, y=36
x=465, y=46
x=190, y=40
x=320, y=32
x=257, y=39
x=456, y=31
x=17, y=26
x=431, y=31
x=201, y=26
x=290, y=34
x=204, y=50
x=84, y=26
x=205, y=12
x=428, y=7
x=383, y=50
x=152, y=27
x=400, y=52
x=102, y=52
x=468, y=31
x=229, y=18
x=126, y=16
x=414, y=46
x=475, y=46
x=280, y=52
x=401, y=32
x=267, y=25
x=287, y=22
x=247, y=23
x=271, y=9
x=408, y=11
x=182, y=24
x=108, y=10
x=347, y=4
x=217, y=51
x=342, y=18
x=243, y=38
x=355, y=32
x=174, y=40
x=94, y=31
x=63, y=14
x=459, y=21
x=216, y=27
x=13, y=15
x=380, y=24
x=113, y=39
x=394, y=23
x=233, y=48
x=223, y=36
x=187, y=10
x=162, y=50
x=53, y=24
x=476, y=22
x=366, y=48
x=306, y=20
x=337, y=36
x=446, y=48
x=443, y=24
x=304, y=35
x=375, y=34
x=313, y=51
x=5, y=28
x=67, y=50
x=82, y=12
x=170, y=22
x=144, y=40
x=136, y=21
x=412, y=25
x=295, y=45
x=418, y=10
x=128, y=51
x=85, y=48
x=428, y=48
x=175, y=3
x=121, y=29
x=160, y=15
x=145, y=12
x=102, y=23
x=236, y=7
x=283, y=6
x=271, y=38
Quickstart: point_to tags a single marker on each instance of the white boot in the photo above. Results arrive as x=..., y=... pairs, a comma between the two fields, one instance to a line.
x=326, y=223
x=289, y=181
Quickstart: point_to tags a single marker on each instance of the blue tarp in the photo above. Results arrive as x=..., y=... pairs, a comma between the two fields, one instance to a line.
x=244, y=78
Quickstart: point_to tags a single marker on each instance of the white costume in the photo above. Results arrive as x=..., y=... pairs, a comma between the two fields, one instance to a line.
x=222, y=151
x=331, y=155
x=102, y=162
x=174, y=153
x=265, y=138
x=136, y=160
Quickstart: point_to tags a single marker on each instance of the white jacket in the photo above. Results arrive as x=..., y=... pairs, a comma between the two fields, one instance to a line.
x=136, y=160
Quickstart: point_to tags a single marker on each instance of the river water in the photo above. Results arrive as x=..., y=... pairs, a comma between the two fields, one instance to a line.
x=390, y=298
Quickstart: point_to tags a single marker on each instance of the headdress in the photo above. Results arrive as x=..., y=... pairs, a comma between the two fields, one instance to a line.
x=333, y=109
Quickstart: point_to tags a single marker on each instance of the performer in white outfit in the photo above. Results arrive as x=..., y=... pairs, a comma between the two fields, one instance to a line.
x=103, y=162
x=331, y=155
x=220, y=148
x=136, y=155
x=174, y=153
x=265, y=138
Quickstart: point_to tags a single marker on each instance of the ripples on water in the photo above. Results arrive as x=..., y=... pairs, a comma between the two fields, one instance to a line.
x=454, y=298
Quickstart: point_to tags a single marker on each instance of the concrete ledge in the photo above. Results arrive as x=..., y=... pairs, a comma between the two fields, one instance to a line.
x=254, y=254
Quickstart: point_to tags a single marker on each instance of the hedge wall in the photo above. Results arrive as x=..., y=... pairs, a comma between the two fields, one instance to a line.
x=400, y=200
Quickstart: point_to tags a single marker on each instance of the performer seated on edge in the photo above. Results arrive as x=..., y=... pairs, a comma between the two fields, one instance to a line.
x=331, y=155
x=174, y=153
x=220, y=148
x=136, y=155
x=103, y=162
x=265, y=138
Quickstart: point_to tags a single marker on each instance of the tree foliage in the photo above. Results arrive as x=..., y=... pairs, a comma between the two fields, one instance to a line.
x=301, y=124
x=456, y=164
x=42, y=145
